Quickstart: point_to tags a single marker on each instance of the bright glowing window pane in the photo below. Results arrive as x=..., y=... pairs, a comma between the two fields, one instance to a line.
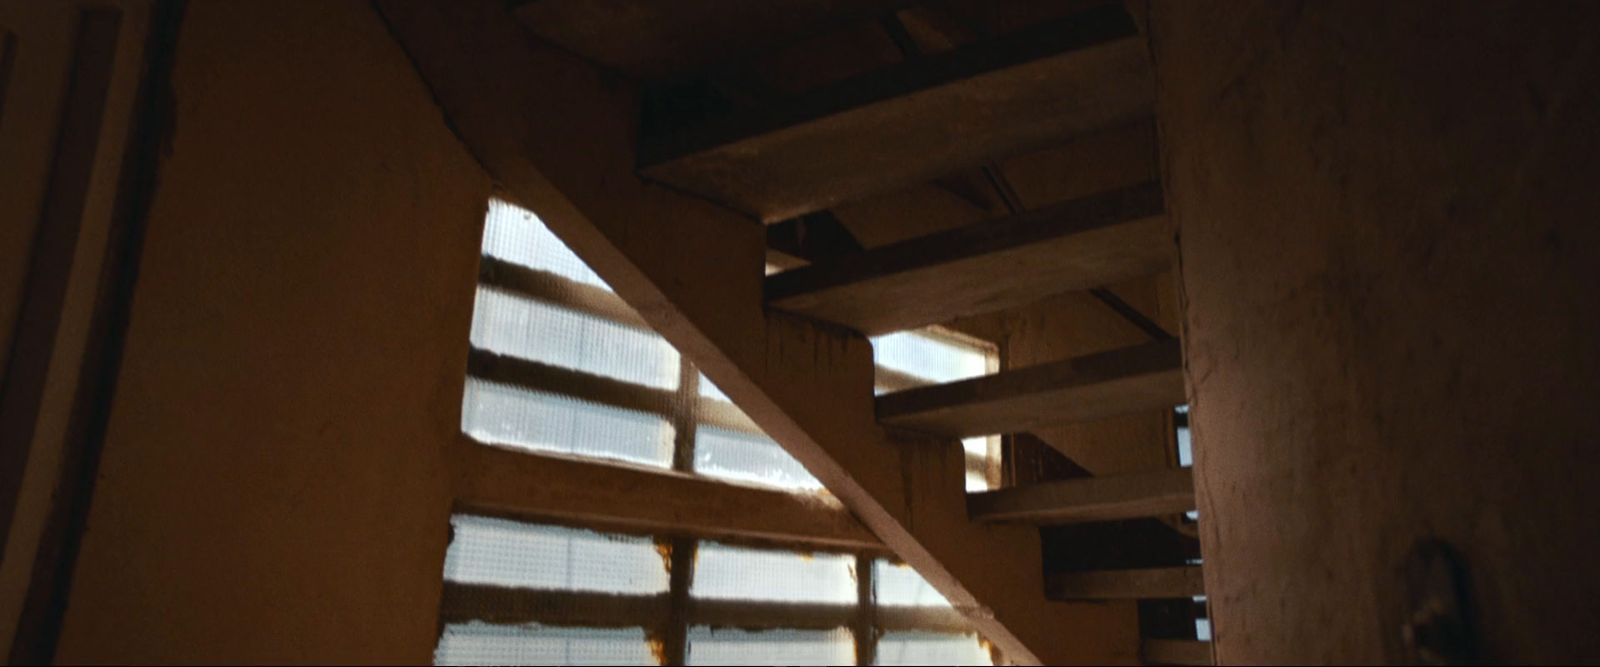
x=929, y=358
x=728, y=646
x=747, y=457
x=897, y=585
x=931, y=648
x=709, y=390
x=479, y=643
x=516, y=235
x=735, y=573
x=502, y=414
x=509, y=324
x=977, y=457
x=498, y=552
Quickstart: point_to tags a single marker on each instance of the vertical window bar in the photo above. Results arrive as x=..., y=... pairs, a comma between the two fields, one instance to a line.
x=685, y=420
x=865, y=625
x=675, y=645
x=675, y=642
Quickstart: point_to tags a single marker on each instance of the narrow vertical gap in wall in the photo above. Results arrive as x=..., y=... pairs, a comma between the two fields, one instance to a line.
x=865, y=624
x=39, y=628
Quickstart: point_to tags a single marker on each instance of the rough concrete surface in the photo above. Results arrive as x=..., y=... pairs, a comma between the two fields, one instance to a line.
x=272, y=487
x=1390, y=263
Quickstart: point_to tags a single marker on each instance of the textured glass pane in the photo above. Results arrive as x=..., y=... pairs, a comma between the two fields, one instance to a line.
x=931, y=648
x=721, y=646
x=479, y=643
x=930, y=358
x=505, y=323
x=1202, y=629
x=515, y=234
x=746, y=457
x=726, y=572
x=1185, y=448
x=900, y=586
x=525, y=419
x=709, y=390
x=521, y=555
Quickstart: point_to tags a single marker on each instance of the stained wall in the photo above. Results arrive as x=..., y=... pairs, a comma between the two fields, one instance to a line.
x=1391, y=270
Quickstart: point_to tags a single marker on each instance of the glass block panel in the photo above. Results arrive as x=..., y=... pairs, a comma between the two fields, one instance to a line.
x=502, y=414
x=512, y=554
x=515, y=234
x=509, y=324
x=709, y=390
x=898, y=585
x=931, y=648
x=726, y=572
x=479, y=643
x=721, y=646
x=746, y=457
x=930, y=358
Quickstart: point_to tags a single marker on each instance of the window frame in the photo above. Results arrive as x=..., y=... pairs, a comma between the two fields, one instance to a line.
x=668, y=617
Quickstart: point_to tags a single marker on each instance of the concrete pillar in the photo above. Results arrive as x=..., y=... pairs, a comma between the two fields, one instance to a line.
x=1389, y=219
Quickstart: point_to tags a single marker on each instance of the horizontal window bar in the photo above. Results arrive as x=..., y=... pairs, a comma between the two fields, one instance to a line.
x=492, y=604
x=559, y=290
x=603, y=390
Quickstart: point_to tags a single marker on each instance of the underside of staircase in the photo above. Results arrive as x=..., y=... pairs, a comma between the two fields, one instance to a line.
x=677, y=213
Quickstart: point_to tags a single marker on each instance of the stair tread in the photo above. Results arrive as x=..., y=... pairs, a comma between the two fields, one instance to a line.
x=1079, y=244
x=1176, y=652
x=913, y=121
x=1090, y=387
x=1147, y=583
x=1088, y=499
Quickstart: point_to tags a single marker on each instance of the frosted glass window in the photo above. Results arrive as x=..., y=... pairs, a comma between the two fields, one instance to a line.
x=747, y=457
x=931, y=648
x=930, y=358
x=896, y=585
x=516, y=235
x=726, y=646
x=502, y=414
x=508, y=324
x=725, y=572
x=709, y=390
x=479, y=643
x=512, y=554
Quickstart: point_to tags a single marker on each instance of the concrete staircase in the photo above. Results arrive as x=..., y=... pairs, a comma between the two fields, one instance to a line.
x=664, y=216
